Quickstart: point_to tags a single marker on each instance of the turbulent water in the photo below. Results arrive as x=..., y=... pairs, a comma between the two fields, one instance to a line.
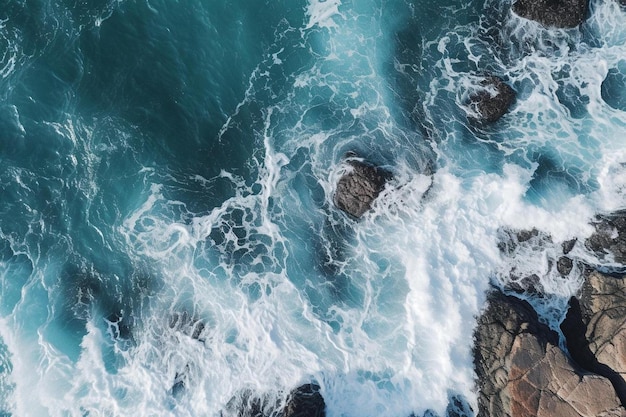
x=168, y=240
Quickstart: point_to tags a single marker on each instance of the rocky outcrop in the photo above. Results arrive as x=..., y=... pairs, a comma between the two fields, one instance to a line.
x=553, y=13
x=609, y=237
x=603, y=308
x=359, y=186
x=305, y=401
x=521, y=371
x=595, y=329
x=492, y=100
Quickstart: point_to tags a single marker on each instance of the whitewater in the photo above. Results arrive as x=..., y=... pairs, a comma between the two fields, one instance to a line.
x=168, y=239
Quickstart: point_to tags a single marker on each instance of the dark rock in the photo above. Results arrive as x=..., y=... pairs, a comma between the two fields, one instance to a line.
x=564, y=265
x=359, y=186
x=511, y=240
x=458, y=407
x=568, y=245
x=248, y=404
x=609, y=236
x=492, y=100
x=512, y=244
x=530, y=285
x=521, y=371
x=553, y=13
x=305, y=401
x=526, y=235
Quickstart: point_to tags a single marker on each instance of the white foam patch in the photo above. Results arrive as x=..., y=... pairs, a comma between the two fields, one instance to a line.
x=41, y=374
x=11, y=53
x=322, y=13
x=612, y=179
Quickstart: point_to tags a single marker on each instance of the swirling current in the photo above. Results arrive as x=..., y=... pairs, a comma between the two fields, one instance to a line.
x=168, y=238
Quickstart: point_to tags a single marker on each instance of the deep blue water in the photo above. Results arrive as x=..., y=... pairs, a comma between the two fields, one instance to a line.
x=168, y=239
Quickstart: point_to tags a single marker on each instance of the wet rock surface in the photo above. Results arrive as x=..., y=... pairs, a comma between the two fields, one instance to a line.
x=553, y=13
x=304, y=401
x=493, y=100
x=525, y=278
x=521, y=371
x=359, y=186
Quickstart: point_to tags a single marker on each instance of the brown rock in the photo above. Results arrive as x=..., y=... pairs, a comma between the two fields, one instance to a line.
x=603, y=308
x=522, y=371
x=359, y=186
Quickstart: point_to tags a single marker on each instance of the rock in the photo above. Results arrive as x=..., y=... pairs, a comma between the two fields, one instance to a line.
x=359, y=186
x=568, y=245
x=305, y=401
x=553, y=13
x=521, y=371
x=514, y=243
x=492, y=100
x=564, y=265
x=609, y=236
x=598, y=320
x=512, y=240
x=248, y=404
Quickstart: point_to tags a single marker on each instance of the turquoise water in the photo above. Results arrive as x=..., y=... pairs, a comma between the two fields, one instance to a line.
x=167, y=233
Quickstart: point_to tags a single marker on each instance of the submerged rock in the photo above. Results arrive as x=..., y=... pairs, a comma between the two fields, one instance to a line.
x=553, y=13
x=521, y=371
x=359, y=186
x=613, y=88
x=493, y=100
x=187, y=324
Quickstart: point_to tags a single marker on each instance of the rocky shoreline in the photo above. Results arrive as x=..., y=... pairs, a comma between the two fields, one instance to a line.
x=523, y=367
x=522, y=370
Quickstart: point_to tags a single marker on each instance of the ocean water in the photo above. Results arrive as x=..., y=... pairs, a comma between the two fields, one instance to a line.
x=168, y=241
